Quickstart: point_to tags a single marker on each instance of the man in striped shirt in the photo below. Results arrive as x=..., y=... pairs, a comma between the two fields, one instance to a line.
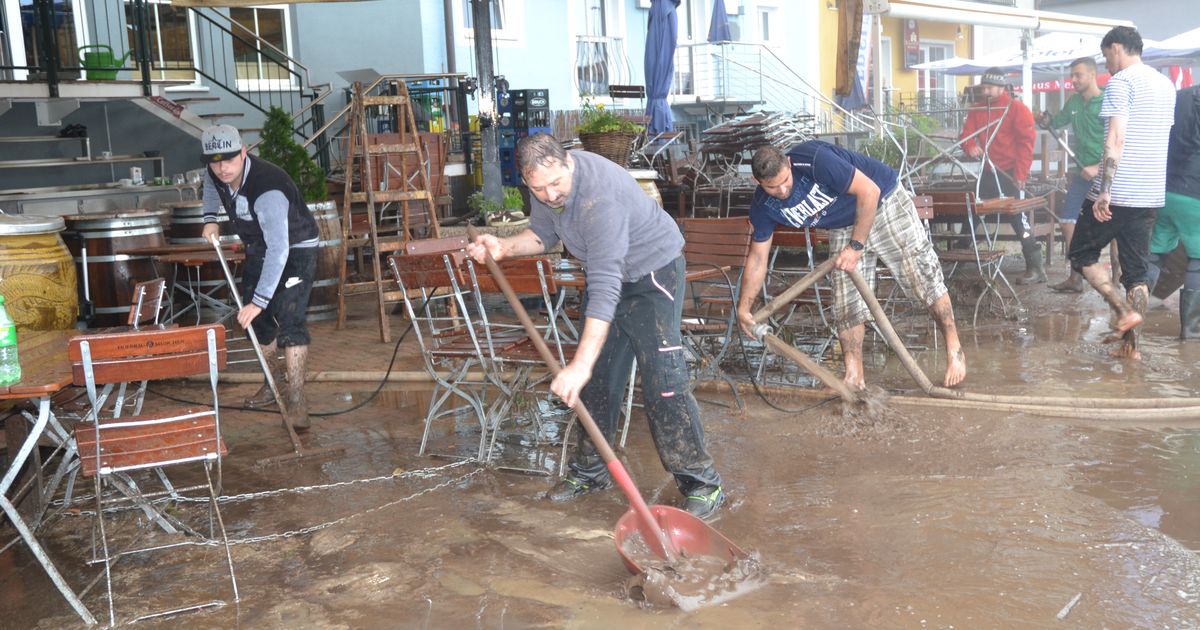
x=1138, y=110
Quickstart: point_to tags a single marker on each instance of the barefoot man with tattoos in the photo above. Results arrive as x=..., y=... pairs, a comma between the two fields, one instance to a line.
x=1138, y=111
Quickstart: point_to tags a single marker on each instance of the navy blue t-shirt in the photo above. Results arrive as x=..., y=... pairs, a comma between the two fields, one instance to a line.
x=821, y=175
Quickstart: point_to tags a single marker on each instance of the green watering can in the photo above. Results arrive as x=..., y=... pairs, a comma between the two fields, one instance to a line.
x=101, y=64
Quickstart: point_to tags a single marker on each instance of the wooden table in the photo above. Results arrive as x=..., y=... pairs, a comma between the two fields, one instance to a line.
x=45, y=370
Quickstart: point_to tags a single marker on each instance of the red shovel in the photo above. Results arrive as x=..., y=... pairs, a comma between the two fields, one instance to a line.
x=667, y=531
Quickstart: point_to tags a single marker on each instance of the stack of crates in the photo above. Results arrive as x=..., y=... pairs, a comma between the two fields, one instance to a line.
x=522, y=113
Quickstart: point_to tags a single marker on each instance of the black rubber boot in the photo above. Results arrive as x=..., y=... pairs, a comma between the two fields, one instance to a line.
x=1189, y=313
x=1035, y=272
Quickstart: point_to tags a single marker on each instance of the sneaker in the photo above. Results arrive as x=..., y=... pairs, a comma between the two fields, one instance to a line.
x=572, y=487
x=703, y=502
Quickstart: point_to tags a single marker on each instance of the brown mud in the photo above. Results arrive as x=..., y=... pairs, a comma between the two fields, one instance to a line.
x=931, y=518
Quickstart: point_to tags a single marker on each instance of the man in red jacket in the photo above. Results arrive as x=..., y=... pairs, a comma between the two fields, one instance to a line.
x=1000, y=131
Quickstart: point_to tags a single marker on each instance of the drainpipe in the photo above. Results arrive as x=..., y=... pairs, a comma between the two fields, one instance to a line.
x=451, y=61
x=482, y=18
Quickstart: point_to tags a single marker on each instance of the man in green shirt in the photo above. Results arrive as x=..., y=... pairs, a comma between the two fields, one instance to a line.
x=1082, y=112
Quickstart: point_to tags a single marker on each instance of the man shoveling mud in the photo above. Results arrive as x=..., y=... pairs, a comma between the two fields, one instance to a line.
x=281, y=238
x=632, y=255
x=869, y=216
x=1138, y=111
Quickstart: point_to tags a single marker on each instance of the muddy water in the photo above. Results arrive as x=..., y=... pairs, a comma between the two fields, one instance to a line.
x=932, y=518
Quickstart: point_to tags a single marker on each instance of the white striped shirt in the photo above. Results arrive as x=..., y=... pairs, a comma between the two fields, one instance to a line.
x=1146, y=100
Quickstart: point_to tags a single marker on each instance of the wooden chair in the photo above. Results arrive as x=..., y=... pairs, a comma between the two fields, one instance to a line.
x=715, y=251
x=112, y=449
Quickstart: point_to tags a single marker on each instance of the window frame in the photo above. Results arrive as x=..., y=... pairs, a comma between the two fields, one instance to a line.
x=513, y=33
x=271, y=85
x=192, y=46
x=944, y=79
x=617, y=36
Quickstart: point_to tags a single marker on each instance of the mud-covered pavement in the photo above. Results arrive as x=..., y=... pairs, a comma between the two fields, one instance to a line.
x=920, y=518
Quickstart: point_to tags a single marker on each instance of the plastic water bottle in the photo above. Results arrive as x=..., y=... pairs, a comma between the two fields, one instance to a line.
x=10, y=366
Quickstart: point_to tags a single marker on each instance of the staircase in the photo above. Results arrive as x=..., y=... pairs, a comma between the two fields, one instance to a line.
x=130, y=78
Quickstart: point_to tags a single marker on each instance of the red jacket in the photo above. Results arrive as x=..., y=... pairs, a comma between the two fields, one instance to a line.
x=1011, y=148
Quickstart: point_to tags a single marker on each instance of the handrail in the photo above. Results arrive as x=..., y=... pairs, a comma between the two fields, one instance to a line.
x=261, y=42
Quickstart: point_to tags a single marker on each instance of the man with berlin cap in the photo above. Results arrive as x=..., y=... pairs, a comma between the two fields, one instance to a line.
x=280, y=238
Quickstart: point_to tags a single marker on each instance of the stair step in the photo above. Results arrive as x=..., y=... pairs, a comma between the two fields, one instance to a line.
x=385, y=100
x=197, y=99
x=223, y=115
x=377, y=149
x=384, y=196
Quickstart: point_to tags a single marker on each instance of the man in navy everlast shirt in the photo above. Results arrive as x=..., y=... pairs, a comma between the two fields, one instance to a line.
x=869, y=216
x=632, y=254
x=280, y=237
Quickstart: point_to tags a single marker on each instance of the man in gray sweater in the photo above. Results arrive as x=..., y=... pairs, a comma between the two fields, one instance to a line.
x=631, y=251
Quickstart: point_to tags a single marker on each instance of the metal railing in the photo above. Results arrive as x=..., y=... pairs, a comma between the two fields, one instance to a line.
x=139, y=40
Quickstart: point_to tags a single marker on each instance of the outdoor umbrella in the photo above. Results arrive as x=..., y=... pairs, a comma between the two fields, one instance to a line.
x=718, y=28
x=659, y=61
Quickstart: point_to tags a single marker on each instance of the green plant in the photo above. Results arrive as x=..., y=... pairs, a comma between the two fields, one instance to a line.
x=488, y=208
x=513, y=200
x=916, y=127
x=279, y=148
x=483, y=206
x=594, y=118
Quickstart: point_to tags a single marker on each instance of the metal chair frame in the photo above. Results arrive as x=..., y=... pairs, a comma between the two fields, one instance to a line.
x=112, y=448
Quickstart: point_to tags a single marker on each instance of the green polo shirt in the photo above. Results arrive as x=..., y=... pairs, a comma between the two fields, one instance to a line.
x=1087, y=138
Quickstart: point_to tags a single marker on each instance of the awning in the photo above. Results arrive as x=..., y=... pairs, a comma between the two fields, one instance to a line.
x=245, y=3
x=974, y=13
x=1049, y=53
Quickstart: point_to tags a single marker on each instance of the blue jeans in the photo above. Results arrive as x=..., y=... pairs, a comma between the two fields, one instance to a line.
x=1073, y=202
x=645, y=326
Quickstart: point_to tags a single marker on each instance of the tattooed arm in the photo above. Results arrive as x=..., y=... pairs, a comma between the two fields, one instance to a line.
x=1110, y=159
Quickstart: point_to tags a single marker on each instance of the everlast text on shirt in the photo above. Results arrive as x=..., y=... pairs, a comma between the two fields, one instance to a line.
x=809, y=206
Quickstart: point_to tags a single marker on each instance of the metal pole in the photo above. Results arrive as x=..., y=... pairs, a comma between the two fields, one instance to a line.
x=48, y=54
x=481, y=15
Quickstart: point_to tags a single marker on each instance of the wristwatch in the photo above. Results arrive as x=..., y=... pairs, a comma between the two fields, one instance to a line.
x=856, y=245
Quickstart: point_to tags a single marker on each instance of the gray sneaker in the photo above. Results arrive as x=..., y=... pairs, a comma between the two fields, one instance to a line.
x=703, y=502
x=573, y=487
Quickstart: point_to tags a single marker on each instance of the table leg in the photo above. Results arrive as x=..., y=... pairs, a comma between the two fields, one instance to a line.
x=15, y=517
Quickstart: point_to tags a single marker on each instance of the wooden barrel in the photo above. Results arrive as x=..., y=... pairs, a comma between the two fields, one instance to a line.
x=187, y=228
x=646, y=179
x=322, y=304
x=37, y=278
x=111, y=274
x=187, y=223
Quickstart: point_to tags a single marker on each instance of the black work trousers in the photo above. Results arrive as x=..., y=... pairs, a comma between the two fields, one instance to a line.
x=645, y=326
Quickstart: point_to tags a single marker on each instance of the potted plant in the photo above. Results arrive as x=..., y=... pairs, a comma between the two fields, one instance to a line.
x=509, y=211
x=605, y=133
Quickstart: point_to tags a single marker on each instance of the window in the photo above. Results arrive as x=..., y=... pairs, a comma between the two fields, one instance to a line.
x=935, y=87
x=496, y=10
x=885, y=57
x=766, y=34
x=507, y=18
x=259, y=51
x=170, y=37
x=600, y=57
